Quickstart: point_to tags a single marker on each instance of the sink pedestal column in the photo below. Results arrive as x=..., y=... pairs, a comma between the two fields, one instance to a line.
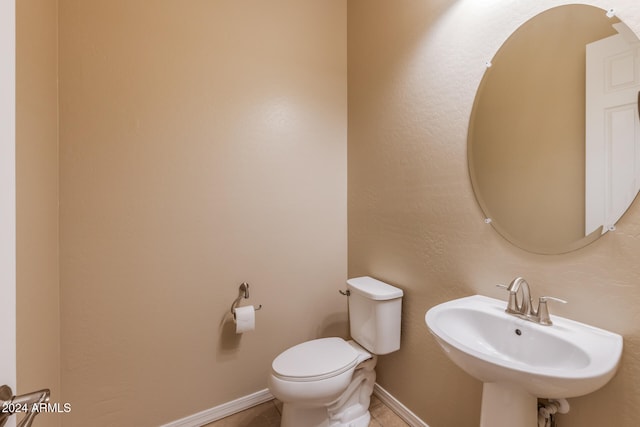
x=507, y=406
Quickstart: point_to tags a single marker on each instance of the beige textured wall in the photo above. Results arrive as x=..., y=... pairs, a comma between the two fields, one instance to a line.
x=202, y=144
x=414, y=68
x=38, y=318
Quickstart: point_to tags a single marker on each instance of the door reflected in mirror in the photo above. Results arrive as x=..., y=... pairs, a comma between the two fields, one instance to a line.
x=550, y=180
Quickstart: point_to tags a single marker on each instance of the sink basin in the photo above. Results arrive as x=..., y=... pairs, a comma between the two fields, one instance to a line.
x=564, y=360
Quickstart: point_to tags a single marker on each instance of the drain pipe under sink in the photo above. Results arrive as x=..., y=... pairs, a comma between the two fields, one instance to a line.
x=547, y=410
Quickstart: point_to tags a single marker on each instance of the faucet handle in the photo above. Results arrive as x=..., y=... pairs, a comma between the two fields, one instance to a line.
x=512, y=303
x=545, y=299
x=543, y=310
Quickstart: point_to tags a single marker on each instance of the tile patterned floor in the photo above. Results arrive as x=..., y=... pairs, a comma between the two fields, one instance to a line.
x=268, y=415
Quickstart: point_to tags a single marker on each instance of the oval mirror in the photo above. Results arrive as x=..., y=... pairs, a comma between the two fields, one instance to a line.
x=554, y=135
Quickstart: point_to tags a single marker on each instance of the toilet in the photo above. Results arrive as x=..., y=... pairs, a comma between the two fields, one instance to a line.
x=328, y=382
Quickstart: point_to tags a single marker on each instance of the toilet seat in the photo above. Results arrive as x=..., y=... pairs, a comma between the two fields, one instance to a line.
x=315, y=360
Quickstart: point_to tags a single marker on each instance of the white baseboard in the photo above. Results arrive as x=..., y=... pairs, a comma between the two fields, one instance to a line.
x=216, y=413
x=397, y=407
x=213, y=414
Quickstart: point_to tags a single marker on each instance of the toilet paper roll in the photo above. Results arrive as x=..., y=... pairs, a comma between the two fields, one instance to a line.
x=245, y=318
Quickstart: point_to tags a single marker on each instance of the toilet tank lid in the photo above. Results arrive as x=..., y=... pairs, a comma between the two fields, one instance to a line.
x=373, y=288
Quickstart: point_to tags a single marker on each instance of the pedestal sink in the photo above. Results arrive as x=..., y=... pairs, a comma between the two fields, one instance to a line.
x=520, y=361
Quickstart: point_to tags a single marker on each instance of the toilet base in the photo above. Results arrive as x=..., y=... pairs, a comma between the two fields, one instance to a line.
x=351, y=409
x=293, y=416
x=362, y=421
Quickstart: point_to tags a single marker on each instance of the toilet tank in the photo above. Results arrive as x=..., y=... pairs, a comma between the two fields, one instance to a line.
x=375, y=310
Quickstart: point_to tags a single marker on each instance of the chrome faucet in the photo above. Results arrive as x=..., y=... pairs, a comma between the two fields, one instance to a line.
x=29, y=403
x=524, y=308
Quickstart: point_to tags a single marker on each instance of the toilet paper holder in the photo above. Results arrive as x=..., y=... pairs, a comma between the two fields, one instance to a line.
x=243, y=291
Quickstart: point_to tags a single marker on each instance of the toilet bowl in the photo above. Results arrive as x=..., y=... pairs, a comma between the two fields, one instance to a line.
x=328, y=382
x=320, y=374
